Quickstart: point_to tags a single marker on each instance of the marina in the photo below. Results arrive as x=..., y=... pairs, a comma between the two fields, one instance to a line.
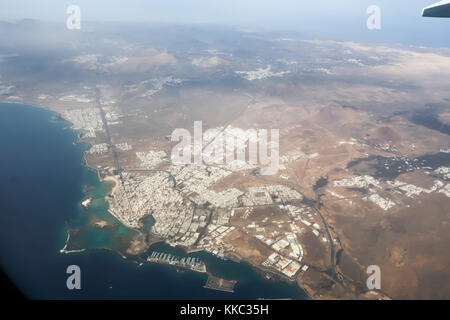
x=189, y=263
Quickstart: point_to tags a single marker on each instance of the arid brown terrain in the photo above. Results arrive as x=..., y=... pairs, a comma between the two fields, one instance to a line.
x=364, y=147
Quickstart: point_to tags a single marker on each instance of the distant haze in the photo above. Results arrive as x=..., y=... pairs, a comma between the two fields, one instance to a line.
x=341, y=20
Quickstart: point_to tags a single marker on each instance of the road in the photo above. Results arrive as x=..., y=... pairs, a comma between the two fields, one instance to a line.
x=108, y=136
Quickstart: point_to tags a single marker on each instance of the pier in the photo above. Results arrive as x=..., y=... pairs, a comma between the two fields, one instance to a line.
x=220, y=284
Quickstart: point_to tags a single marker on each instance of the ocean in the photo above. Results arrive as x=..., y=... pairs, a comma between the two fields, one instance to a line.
x=43, y=180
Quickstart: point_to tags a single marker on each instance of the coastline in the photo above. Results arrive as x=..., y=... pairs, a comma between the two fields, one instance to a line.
x=111, y=179
x=114, y=179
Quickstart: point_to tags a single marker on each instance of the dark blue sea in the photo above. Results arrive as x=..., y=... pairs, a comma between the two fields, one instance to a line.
x=42, y=181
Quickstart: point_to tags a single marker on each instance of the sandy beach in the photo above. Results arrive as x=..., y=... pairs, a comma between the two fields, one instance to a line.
x=112, y=179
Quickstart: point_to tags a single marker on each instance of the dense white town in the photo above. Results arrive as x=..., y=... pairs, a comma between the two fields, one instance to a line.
x=189, y=212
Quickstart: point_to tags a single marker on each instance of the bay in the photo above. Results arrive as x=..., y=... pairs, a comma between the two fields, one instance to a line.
x=43, y=179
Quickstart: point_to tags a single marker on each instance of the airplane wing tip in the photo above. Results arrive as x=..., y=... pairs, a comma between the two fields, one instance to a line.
x=437, y=10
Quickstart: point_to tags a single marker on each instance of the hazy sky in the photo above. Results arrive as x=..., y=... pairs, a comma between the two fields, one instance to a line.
x=346, y=19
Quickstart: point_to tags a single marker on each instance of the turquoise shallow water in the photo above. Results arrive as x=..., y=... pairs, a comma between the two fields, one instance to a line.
x=42, y=181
